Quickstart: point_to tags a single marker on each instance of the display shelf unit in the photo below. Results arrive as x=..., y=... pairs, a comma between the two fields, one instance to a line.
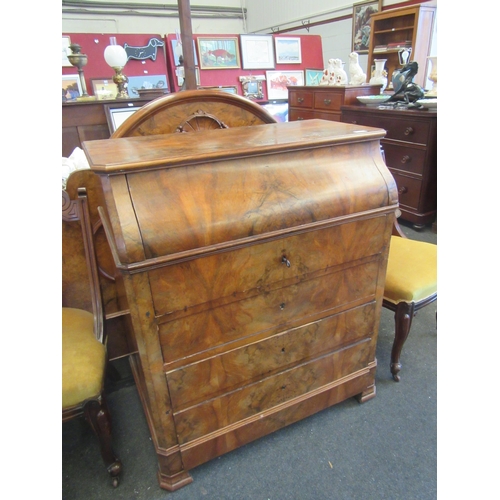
x=409, y=24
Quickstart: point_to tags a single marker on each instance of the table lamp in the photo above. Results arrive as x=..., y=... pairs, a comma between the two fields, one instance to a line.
x=116, y=57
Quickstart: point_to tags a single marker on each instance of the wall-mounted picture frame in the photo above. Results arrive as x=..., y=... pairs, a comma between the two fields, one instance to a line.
x=219, y=52
x=117, y=113
x=361, y=27
x=66, y=42
x=288, y=50
x=71, y=87
x=146, y=82
x=230, y=89
x=104, y=88
x=313, y=76
x=252, y=86
x=177, y=51
x=257, y=51
x=278, y=81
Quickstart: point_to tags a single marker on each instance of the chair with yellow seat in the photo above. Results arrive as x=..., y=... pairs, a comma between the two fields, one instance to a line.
x=83, y=348
x=410, y=285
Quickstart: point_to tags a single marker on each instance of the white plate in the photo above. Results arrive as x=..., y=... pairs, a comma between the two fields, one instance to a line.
x=428, y=103
x=373, y=100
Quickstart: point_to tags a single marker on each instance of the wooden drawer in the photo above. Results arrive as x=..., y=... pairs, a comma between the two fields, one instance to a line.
x=221, y=328
x=405, y=158
x=400, y=129
x=189, y=385
x=214, y=414
x=234, y=275
x=409, y=190
x=301, y=98
x=330, y=101
x=301, y=114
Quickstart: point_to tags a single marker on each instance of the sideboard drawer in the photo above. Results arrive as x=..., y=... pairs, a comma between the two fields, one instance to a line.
x=296, y=114
x=408, y=189
x=404, y=157
x=407, y=130
x=301, y=99
x=329, y=101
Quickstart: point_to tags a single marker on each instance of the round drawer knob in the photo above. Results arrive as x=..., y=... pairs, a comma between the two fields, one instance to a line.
x=406, y=159
x=409, y=130
x=403, y=190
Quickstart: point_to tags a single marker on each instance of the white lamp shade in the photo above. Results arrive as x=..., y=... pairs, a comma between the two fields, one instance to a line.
x=115, y=56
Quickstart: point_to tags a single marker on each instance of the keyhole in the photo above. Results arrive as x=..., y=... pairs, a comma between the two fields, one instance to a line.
x=282, y=306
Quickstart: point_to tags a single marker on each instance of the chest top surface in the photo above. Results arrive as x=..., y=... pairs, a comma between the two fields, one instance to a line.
x=171, y=195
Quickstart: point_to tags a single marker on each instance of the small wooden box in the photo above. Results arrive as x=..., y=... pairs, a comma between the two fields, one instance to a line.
x=254, y=262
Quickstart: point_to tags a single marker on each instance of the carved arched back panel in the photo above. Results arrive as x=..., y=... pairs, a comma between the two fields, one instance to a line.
x=165, y=115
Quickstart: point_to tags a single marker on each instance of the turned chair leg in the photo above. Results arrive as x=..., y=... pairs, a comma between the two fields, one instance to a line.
x=403, y=318
x=98, y=416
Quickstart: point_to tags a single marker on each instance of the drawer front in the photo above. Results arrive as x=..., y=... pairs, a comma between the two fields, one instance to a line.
x=295, y=114
x=300, y=98
x=404, y=158
x=329, y=101
x=408, y=189
x=220, y=412
x=223, y=327
x=400, y=129
x=250, y=270
x=226, y=372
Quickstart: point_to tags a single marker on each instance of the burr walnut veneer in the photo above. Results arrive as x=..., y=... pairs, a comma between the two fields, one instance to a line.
x=254, y=261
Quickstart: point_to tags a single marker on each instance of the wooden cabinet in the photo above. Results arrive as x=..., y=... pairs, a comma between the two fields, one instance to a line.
x=306, y=102
x=414, y=25
x=254, y=261
x=87, y=121
x=410, y=148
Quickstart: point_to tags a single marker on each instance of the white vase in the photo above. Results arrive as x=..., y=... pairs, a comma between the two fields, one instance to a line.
x=433, y=77
x=379, y=76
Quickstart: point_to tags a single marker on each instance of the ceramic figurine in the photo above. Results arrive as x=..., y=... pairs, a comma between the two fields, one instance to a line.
x=327, y=78
x=339, y=74
x=380, y=74
x=358, y=77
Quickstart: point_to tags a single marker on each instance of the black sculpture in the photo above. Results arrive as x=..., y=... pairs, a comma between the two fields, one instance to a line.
x=404, y=87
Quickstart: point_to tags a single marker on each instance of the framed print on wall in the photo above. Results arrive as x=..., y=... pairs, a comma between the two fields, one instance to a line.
x=104, y=88
x=66, y=42
x=313, y=76
x=361, y=14
x=219, y=53
x=288, y=50
x=257, y=51
x=278, y=81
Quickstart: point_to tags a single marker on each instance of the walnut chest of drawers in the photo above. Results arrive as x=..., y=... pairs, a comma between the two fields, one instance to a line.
x=307, y=102
x=410, y=148
x=254, y=262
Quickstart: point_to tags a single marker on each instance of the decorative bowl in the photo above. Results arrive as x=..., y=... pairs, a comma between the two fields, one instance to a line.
x=428, y=103
x=373, y=100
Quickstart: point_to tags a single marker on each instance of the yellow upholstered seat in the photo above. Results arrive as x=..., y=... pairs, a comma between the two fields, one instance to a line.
x=411, y=283
x=411, y=270
x=83, y=358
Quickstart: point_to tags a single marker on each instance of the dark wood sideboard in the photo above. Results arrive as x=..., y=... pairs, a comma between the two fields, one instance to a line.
x=87, y=121
x=410, y=148
x=254, y=262
x=324, y=102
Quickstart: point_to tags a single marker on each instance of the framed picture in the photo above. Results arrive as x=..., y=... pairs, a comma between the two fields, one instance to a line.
x=177, y=51
x=288, y=50
x=66, y=42
x=278, y=81
x=257, y=51
x=230, y=89
x=313, y=76
x=219, y=53
x=104, y=88
x=117, y=113
x=279, y=110
x=361, y=14
x=71, y=87
x=136, y=83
